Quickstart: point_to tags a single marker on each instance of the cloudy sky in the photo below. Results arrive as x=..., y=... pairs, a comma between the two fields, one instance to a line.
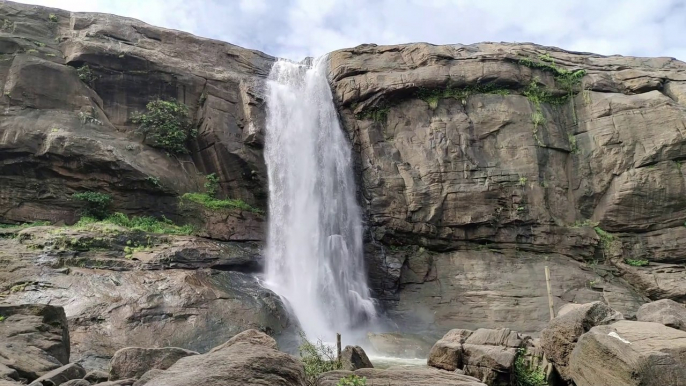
x=299, y=28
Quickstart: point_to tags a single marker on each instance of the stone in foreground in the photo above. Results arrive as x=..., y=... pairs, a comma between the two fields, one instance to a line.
x=34, y=339
x=665, y=311
x=60, y=375
x=629, y=354
x=354, y=357
x=401, y=377
x=446, y=354
x=133, y=362
x=560, y=337
x=249, y=358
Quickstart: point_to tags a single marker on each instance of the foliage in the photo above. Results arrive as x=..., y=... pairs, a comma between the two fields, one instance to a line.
x=434, y=95
x=89, y=117
x=25, y=225
x=524, y=375
x=317, y=358
x=213, y=203
x=212, y=184
x=377, y=114
x=96, y=204
x=522, y=181
x=637, y=263
x=167, y=123
x=53, y=18
x=140, y=223
x=566, y=79
x=154, y=180
x=352, y=380
x=86, y=74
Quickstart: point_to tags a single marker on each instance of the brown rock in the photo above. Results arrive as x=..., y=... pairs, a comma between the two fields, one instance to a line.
x=147, y=377
x=133, y=362
x=353, y=358
x=446, y=354
x=96, y=376
x=667, y=312
x=400, y=344
x=629, y=353
x=77, y=382
x=249, y=358
x=560, y=337
x=60, y=375
x=401, y=377
x=34, y=339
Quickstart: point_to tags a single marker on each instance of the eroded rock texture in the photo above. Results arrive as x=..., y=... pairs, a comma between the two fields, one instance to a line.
x=471, y=187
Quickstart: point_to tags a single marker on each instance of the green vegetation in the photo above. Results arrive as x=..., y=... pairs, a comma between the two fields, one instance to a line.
x=96, y=204
x=572, y=144
x=525, y=375
x=213, y=203
x=317, y=359
x=2, y=318
x=86, y=74
x=7, y=25
x=586, y=223
x=154, y=180
x=605, y=237
x=138, y=223
x=25, y=225
x=637, y=263
x=168, y=124
x=566, y=78
x=376, y=114
x=522, y=181
x=433, y=96
x=352, y=380
x=53, y=18
x=212, y=184
x=89, y=117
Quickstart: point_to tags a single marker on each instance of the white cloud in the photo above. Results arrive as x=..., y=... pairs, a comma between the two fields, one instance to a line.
x=299, y=28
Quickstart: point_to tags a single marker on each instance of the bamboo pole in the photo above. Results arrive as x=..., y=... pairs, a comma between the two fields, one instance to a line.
x=550, y=293
x=338, y=347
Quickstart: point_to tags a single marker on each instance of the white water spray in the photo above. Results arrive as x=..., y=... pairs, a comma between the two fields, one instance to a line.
x=314, y=255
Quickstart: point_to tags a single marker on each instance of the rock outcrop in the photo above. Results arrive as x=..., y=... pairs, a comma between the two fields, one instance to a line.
x=481, y=164
x=134, y=362
x=354, y=358
x=629, y=353
x=666, y=311
x=34, y=340
x=248, y=358
x=401, y=377
x=561, y=336
x=64, y=374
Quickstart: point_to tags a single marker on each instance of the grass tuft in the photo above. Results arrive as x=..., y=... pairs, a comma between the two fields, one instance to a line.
x=214, y=203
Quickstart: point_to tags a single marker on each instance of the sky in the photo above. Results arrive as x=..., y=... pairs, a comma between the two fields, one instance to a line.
x=296, y=29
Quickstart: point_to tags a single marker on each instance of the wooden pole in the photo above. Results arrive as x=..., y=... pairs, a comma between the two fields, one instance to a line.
x=550, y=293
x=338, y=346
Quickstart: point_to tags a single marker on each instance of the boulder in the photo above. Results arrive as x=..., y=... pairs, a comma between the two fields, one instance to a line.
x=133, y=362
x=446, y=354
x=34, y=339
x=147, y=377
x=416, y=376
x=60, y=375
x=560, y=337
x=629, y=353
x=353, y=358
x=665, y=311
x=96, y=376
x=77, y=382
x=121, y=382
x=401, y=345
x=248, y=358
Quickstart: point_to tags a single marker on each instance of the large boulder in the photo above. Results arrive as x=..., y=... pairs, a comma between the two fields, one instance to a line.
x=560, y=337
x=60, y=375
x=401, y=345
x=250, y=357
x=353, y=358
x=133, y=362
x=446, y=354
x=629, y=353
x=34, y=339
x=401, y=377
x=665, y=311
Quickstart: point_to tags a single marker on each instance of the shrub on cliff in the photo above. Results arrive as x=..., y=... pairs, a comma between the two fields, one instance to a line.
x=95, y=204
x=317, y=358
x=167, y=124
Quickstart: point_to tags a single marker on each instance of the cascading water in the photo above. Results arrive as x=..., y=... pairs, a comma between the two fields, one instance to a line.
x=314, y=252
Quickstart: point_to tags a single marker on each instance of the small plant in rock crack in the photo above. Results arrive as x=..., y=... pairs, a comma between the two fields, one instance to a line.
x=86, y=74
x=525, y=374
x=637, y=263
x=352, y=380
x=212, y=184
x=317, y=359
x=167, y=123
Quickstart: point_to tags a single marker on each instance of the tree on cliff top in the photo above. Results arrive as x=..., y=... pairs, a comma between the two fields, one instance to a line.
x=167, y=124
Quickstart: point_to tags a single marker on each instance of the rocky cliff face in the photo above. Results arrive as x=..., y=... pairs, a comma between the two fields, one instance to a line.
x=481, y=164
x=477, y=167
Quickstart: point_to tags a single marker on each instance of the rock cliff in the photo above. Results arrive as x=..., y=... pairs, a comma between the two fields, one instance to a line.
x=477, y=165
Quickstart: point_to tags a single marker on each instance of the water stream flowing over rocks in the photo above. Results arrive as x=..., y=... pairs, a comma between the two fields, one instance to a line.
x=314, y=255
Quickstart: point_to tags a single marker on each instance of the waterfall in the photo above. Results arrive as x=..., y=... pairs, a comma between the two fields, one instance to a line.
x=314, y=247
